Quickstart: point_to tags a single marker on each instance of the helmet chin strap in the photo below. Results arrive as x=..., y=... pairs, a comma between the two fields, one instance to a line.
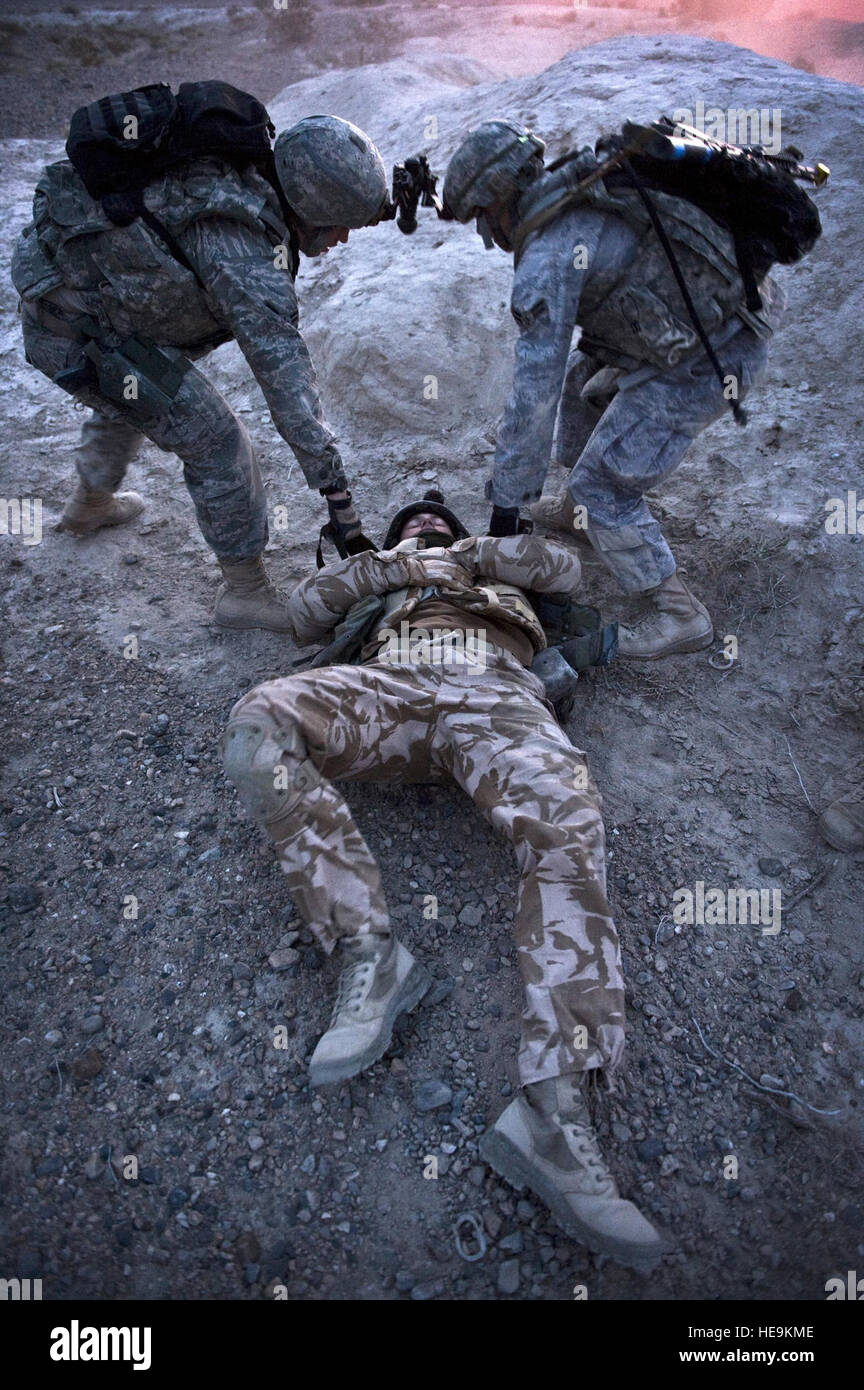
x=490, y=230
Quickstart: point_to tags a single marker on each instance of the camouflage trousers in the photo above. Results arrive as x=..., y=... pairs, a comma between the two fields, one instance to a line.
x=618, y=450
x=491, y=732
x=219, y=466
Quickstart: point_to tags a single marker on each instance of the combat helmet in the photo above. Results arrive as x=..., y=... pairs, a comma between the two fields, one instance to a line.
x=331, y=173
x=432, y=501
x=491, y=165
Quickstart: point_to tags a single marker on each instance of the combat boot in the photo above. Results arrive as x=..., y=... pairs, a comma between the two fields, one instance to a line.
x=678, y=623
x=247, y=599
x=557, y=513
x=380, y=981
x=89, y=509
x=544, y=1140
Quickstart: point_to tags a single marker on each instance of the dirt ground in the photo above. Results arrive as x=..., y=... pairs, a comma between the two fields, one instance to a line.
x=157, y=1144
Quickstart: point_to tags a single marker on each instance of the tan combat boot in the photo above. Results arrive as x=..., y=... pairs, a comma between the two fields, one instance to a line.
x=247, y=599
x=544, y=1140
x=678, y=623
x=89, y=509
x=380, y=981
x=557, y=513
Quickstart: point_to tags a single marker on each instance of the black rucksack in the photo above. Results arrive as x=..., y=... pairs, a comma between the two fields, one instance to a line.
x=753, y=196
x=122, y=143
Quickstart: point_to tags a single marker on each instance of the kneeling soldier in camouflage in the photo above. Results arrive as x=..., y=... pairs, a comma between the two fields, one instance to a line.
x=450, y=707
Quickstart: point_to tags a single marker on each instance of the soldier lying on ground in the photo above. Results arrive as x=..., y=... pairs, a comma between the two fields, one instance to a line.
x=449, y=708
x=83, y=279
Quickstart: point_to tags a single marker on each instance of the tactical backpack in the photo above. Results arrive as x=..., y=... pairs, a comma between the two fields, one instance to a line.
x=750, y=193
x=749, y=197
x=120, y=144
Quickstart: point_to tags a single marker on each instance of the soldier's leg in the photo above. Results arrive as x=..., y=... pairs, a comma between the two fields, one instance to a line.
x=638, y=443
x=283, y=744
x=578, y=417
x=219, y=469
x=510, y=755
x=106, y=449
x=499, y=741
x=109, y=441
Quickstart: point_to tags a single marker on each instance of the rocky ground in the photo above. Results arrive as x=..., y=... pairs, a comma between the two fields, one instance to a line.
x=151, y=952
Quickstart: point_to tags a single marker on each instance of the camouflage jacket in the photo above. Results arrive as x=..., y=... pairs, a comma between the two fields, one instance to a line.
x=591, y=268
x=482, y=575
x=229, y=225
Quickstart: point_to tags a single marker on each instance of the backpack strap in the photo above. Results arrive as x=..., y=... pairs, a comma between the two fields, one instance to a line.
x=738, y=411
x=123, y=208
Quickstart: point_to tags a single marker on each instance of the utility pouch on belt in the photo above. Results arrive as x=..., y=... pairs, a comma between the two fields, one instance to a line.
x=137, y=376
x=577, y=639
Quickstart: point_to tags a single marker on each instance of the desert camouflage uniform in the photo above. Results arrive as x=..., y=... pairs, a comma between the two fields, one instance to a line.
x=620, y=445
x=71, y=261
x=487, y=727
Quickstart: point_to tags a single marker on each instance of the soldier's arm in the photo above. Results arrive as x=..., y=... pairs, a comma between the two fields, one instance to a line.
x=256, y=301
x=321, y=601
x=544, y=303
x=525, y=560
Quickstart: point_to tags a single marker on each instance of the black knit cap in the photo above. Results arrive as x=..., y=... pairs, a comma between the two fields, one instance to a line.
x=433, y=501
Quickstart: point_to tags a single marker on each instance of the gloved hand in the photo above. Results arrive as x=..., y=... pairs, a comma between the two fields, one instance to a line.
x=345, y=523
x=504, y=522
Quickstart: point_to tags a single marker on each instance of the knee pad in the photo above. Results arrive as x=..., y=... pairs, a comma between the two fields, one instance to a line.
x=269, y=766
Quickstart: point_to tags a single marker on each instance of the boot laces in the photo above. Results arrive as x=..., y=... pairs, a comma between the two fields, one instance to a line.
x=582, y=1140
x=352, y=986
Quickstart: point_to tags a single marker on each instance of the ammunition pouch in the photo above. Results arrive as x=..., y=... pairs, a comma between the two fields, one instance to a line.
x=138, y=377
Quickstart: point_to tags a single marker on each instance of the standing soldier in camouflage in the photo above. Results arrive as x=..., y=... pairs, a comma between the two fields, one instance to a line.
x=88, y=285
x=435, y=704
x=638, y=389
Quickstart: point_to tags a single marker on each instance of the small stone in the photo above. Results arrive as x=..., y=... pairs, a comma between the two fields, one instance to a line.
x=513, y=1243
x=471, y=915
x=772, y=868
x=23, y=897
x=94, y=1166
x=404, y=1280
x=255, y=1142
x=493, y=1223
x=284, y=958
x=49, y=1167
x=87, y=1065
x=438, y=993
x=649, y=1149
x=508, y=1277
x=748, y=1194
x=210, y=854
x=766, y=1079
x=94, y=1023
x=54, y=1037
x=177, y=1198
x=664, y=933
x=432, y=1095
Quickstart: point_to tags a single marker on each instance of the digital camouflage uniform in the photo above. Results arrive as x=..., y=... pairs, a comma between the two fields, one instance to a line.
x=631, y=437
x=486, y=725
x=71, y=260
